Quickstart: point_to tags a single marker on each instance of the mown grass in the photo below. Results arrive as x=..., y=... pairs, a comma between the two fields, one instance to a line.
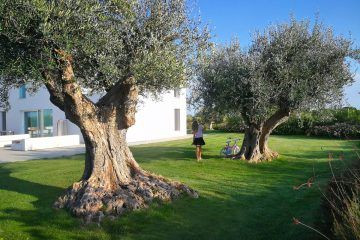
x=237, y=200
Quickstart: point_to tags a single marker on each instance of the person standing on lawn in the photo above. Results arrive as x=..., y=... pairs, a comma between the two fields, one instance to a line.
x=198, y=141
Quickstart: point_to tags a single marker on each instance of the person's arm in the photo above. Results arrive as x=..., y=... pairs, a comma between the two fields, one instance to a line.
x=194, y=133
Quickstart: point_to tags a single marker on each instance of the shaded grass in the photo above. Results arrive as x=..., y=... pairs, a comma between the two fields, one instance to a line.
x=238, y=200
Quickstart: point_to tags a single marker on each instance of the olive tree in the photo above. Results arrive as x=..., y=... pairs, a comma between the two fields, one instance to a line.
x=120, y=49
x=289, y=67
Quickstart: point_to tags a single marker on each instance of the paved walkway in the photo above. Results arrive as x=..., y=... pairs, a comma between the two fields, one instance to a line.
x=7, y=155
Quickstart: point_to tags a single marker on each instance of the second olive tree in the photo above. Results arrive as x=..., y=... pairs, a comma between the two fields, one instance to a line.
x=288, y=67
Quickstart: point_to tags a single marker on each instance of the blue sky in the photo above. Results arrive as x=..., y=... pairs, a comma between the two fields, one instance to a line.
x=240, y=18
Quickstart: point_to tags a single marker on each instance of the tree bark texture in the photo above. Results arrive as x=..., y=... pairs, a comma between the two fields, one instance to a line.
x=275, y=120
x=250, y=146
x=255, y=144
x=112, y=182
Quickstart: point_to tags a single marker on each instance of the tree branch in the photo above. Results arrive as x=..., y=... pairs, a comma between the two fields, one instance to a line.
x=276, y=119
x=77, y=107
x=116, y=93
x=121, y=98
x=56, y=96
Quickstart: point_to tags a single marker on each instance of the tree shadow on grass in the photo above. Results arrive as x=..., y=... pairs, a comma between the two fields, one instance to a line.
x=40, y=219
x=244, y=201
x=151, y=153
x=233, y=209
x=244, y=214
x=229, y=211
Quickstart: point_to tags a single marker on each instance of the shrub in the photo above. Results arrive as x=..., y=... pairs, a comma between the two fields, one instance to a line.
x=341, y=205
x=295, y=125
x=349, y=115
x=348, y=224
x=338, y=130
x=339, y=123
x=189, y=122
x=233, y=123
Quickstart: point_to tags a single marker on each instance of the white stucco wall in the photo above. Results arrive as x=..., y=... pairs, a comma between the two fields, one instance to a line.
x=154, y=119
x=29, y=144
x=7, y=139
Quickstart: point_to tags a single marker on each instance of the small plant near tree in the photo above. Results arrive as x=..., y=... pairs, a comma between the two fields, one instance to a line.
x=341, y=203
x=340, y=208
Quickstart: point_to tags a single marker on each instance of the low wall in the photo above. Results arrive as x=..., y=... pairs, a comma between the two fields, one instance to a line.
x=7, y=139
x=45, y=142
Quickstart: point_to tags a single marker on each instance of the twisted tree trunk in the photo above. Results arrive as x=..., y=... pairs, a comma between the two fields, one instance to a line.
x=250, y=149
x=275, y=120
x=255, y=144
x=112, y=182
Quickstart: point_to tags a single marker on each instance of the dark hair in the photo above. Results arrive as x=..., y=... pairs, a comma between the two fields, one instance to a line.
x=195, y=126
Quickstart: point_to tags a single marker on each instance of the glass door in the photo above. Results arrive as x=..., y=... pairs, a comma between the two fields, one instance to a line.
x=47, y=123
x=31, y=123
x=3, y=121
x=39, y=123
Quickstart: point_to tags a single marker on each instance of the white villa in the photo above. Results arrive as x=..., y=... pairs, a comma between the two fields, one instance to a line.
x=37, y=116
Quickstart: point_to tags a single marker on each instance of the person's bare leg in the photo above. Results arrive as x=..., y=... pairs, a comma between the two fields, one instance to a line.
x=200, y=152
x=197, y=153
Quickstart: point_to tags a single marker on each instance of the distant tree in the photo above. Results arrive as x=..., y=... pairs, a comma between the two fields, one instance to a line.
x=120, y=48
x=206, y=118
x=288, y=67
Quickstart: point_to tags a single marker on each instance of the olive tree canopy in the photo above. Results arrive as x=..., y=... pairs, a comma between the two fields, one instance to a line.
x=121, y=48
x=288, y=67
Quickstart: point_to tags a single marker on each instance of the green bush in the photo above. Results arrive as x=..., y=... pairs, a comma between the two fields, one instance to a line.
x=347, y=115
x=341, y=206
x=233, y=123
x=337, y=130
x=190, y=119
x=339, y=123
x=296, y=125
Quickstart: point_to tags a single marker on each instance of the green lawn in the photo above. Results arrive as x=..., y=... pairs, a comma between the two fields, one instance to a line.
x=237, y=200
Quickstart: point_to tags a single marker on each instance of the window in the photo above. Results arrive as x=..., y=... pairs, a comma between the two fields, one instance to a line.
x=3, y=121
x=22, y=91
x=177, y=119
x=38, y=123
x=177, y=92
x=31, y=123
x=47, y=122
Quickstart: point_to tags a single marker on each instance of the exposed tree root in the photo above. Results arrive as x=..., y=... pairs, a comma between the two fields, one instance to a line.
x=92, y=203
x=267, y=156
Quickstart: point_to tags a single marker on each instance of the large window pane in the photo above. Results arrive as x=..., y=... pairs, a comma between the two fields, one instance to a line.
x=3, y=121
x=39, y=123
x=31, y=123
x=48, y=122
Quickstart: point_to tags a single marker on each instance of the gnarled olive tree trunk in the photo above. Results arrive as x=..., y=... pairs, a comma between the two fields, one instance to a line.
x=275, y=120
x=112, y=182
x=250, y=149
x=255, y=144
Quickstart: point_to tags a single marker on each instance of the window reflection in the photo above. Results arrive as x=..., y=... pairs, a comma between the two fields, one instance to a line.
x=39, y=123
